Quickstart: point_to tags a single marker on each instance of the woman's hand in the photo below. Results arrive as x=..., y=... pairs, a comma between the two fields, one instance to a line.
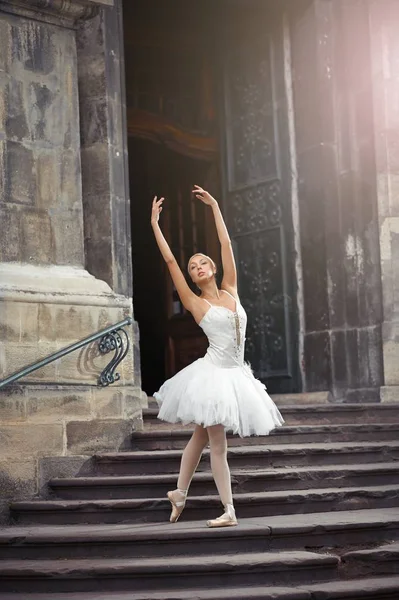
x=156, y=209
x=204, y=196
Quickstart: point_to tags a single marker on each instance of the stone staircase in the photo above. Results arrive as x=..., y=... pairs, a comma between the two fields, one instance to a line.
x=318, y=503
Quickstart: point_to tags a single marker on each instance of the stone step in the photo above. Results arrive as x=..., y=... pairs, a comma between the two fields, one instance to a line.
x=252, y=457
x=256, y=504
x=177, y=439
x=374, y=588
x=383, y=560
x=169, y=574
x=314, y=530
x=150, y=486
x=321, y=414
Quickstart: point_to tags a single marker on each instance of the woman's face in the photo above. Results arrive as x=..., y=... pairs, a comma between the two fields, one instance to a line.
x=201, y=269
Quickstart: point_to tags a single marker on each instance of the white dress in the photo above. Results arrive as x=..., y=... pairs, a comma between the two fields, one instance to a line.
x=220, y=389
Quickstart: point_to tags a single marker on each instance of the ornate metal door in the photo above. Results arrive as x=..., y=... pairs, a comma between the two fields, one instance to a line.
x=258, y=194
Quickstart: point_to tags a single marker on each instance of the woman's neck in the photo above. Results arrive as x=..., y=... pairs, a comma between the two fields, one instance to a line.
x=210, y=290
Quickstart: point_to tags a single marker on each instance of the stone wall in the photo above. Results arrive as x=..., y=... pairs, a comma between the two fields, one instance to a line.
x=384, y=27
x=54, y=430
x=53, y=223
x=337, y=198
x=40, y=145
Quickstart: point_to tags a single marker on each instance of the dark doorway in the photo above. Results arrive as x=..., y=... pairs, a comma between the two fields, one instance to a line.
x=171, y=113
x=169, y=339
x=206, y=103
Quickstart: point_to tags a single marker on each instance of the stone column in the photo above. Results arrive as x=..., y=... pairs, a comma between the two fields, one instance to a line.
x=337, y=199
x=57, y=285
x=105, y=177
x=384, y=28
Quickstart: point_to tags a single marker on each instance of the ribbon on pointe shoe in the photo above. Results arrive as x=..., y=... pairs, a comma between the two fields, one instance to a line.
x=177, y=505
x=227, y=519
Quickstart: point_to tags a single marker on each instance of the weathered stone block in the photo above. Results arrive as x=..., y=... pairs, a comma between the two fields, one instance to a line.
x=47, y=106
x=70, y=192
x=4, y=512
x=29, y=440
x=17, y=127
x=28, y=319
x=20, y=179
x=95, y=170
x=68, y=237
x=10, y=322
x=390, y=336
x=12, y=405
x=97, y=256
x=98, y=221
x=108, y=403
x=97, y=436
x=133, y=402
x=362, y=395
x=66, y=323
x=110, y=316
x=353, y=350
x=37, y=249
x=5, y=37
x=92, y=81
x=54, y=283
x=393, y=150
x=94, y=124
x=302, y=398
x=3, y=367
x=48, y=179
x=339, y=362
x=391, y=364
x=392, y=192
x=3, y=156
x=90, y=38
x=18, y=479
x=70, y=109
x=126, y=369
x=390, y=394
x=371, y=353
x=18, y=356
x=18, y=321
x=318, y=361
x=34, y=46
x=52, y=405
x=10, y=247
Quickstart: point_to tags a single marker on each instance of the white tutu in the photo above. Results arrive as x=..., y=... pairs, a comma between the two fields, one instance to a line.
x=208, y=394
x=220, y=389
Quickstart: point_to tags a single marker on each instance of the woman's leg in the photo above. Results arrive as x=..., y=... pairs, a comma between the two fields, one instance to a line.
x=219, y=464
x=191, y=457
x=189, y=462
x=221, y=475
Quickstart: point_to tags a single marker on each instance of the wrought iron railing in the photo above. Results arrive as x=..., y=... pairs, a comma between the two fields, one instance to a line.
x=112, y=338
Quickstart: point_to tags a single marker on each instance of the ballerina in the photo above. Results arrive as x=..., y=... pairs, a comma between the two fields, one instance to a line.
x=218, y=392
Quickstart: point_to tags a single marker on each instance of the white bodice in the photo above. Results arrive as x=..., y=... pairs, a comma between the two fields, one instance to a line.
x=225, y=330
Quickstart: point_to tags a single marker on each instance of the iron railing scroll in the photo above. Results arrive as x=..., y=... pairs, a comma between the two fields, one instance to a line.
x=113, y=338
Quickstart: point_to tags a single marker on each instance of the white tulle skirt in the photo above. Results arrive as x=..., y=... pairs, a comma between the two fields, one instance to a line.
x=207, y=395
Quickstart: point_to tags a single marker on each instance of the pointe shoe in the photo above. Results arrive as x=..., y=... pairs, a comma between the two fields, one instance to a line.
x=228, y=518
x=177, y=505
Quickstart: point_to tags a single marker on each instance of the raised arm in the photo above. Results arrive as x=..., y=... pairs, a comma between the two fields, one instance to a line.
x=229, y=282
x=188, y=298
